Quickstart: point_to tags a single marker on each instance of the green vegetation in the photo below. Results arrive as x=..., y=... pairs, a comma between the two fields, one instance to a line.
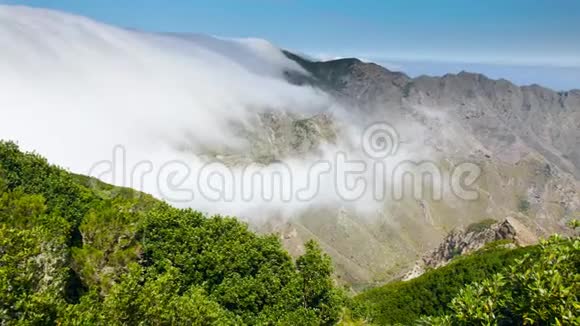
x=81, y=255
x=524, y=205
x=430, y=294
x=74, y=251
x=536, y=290
x=480, y=226
x=407, y=89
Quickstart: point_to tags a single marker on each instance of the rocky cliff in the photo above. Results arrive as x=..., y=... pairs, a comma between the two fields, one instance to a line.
x=463, y=241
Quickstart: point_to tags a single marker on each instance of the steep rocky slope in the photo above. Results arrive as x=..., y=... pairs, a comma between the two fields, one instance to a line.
x=525, y=139
x=501, y=115
x=463, y=241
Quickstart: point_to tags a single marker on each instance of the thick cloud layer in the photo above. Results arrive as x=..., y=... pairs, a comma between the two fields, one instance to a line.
x=78, y=92
x=73, y=89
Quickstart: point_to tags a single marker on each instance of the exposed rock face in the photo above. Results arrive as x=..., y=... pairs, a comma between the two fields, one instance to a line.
x=464, y=241
x=501, y=115
x=276, y=135
x=525, y=139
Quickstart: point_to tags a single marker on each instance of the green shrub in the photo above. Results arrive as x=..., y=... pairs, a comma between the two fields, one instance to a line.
x=480, y=226
x=429, y=294
x=537, y=290
x=524, y=205
x=76, y=251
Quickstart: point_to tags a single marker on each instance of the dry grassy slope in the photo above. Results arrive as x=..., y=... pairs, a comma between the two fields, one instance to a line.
x=379, y=248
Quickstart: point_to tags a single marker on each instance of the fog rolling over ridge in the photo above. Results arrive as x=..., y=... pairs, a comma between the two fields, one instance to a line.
x=73, y=89
x=115, y=86
x=84, y=94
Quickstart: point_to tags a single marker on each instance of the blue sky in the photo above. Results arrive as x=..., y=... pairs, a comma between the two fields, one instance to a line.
x=524, y=40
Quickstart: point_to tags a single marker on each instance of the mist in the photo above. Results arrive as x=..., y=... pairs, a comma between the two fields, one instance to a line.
x=124, y=105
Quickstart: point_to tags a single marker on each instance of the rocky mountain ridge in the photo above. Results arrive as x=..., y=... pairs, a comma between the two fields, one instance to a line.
x=463, y=241
x=525, y=139
x=498, y=112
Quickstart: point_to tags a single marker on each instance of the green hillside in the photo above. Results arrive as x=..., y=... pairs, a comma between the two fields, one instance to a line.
x=76, y=251
x=535, y=285
x=429, y=294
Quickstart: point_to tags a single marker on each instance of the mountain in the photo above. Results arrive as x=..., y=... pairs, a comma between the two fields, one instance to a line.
x=525, y=139
x=498, y=113
x=128, y=232
x=95, y=90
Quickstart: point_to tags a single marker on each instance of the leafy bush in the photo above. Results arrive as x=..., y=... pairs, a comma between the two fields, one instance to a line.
x=430, y=294
x=32, y=258
x=480, y=226
x=524, y=205
x=73, y=253
x=536, y=290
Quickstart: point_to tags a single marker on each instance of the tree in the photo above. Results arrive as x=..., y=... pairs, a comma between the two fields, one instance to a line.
x=32, y=259
x=142, y=297
x=318, y=291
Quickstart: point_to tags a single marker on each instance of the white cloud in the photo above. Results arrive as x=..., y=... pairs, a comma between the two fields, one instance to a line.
x=73, y=89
